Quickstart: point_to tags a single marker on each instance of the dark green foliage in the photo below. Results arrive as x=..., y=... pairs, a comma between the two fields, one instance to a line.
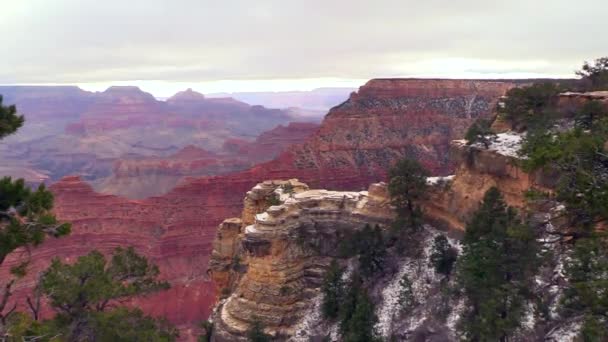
x=480, y=132
x=587, y=272
x=591, y=113
x=594, y=329
x=256, y=332
x=333, y=291
x=407, y=300
x=594, y=75
x=118, y=324
x=124, y=324
x=357, y=314
x=496, y=270
x=407, y=186
x=80, y=293
x=25, y=216
x=443, y=256
x=369, y=246
x=10, y=121
x=578, y=158
x=273, y=199
x=530, y=107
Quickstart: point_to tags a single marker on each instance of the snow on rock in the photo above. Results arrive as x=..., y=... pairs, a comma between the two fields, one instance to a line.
x=507, y=144
x=438, y=180
x=423, y=278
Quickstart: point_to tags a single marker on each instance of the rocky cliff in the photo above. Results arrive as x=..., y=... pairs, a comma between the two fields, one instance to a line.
x=269, y=262
x=358, y=140
x=272, y=260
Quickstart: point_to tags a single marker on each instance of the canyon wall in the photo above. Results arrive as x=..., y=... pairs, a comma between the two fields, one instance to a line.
x=358, y=140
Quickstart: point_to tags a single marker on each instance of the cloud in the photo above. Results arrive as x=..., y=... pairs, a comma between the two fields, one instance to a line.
x=85, y=41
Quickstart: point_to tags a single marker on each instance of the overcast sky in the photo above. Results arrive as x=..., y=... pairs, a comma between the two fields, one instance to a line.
x=237, y=45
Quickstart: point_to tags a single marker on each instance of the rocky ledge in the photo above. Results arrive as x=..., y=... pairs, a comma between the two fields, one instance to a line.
x=270, y=262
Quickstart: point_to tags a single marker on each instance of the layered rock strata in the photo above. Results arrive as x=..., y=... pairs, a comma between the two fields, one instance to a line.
x=283, y=251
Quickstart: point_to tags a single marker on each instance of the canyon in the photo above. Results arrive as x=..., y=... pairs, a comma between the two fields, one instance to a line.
x=387, y=119
x=269, y=262
x=70, y=131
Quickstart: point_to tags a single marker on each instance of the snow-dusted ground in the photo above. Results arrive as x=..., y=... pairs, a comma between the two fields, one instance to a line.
x=423, y=278
x=508, y=144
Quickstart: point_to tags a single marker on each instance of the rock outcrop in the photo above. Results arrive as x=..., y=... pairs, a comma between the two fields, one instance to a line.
x=285, y=250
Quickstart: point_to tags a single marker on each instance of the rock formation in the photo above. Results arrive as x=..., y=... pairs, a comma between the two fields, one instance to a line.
x=285, y=249
x=269, y=263
x=386, y=120
x=141, y=177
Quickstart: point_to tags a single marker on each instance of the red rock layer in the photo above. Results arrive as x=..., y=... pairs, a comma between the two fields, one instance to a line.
x=358, y=140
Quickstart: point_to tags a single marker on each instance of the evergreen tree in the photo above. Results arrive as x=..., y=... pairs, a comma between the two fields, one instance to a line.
x=443, y=256
x=407, y=187
x=406, y=294
x=589, y=115
x=10, y=121
x=594, y=75
x=530, y=107
x=372, y=251
x=25, y=216
x=333, y=291
x=587, y=291
x=497, y=266
x=357, y=314
x=256, y=332
x=84, y=296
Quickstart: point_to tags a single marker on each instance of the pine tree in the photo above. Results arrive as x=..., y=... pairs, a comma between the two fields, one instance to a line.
x=587, y=291
x=10, y=121
x=333, y=291
x=443, y=256
x=406, y=294
x=81, y=294
x=357, y=314
x=594, y=75
x=25, y=216
x=407, y=187
x=372, y=251
x=496, y=270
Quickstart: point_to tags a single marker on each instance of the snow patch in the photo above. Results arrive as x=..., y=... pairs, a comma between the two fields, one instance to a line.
x=437, y=180
x=507, y=144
